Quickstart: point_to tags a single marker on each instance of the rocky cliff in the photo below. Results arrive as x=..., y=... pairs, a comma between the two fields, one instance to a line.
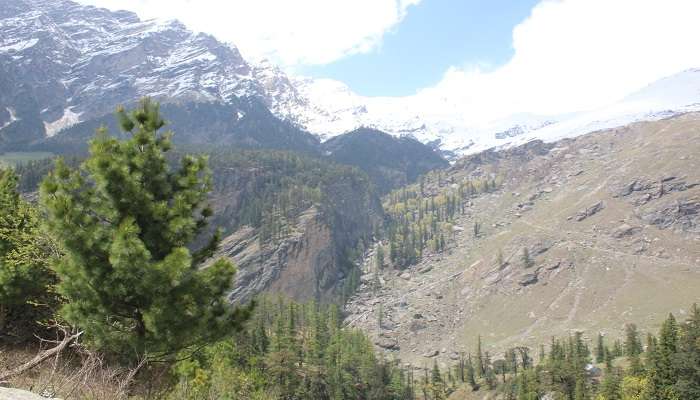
x=295, y=225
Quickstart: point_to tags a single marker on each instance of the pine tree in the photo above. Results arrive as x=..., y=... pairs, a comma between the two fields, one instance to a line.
x=25, y=252
x=600, y=349
x=661, y=371
x=687, y=360
x=470, y=378
x=126, y=221
x=581, y=391
x=480, y=367
x=379, y=258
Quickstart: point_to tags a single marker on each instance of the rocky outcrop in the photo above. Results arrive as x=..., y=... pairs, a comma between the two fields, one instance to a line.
x=308, y=257
x=590, y=211
x=682, y=215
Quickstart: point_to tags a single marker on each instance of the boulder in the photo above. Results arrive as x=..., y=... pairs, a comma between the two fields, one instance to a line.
x=590, y=211
x=387, y=343
x=431, y=353
x=527, y=279
x=625, y=230
x=553, y=266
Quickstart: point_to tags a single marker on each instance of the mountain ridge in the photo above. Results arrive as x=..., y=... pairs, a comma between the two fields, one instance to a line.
x=79, y=61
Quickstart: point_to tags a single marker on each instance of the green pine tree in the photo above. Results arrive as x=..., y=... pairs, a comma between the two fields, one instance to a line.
x=25, y=253
x=600, y=349
x=127, y=222
x=661, y=372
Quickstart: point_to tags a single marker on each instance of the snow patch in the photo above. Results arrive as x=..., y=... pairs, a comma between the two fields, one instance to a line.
x=13, y=118
x=68, y=119
x=18, y=46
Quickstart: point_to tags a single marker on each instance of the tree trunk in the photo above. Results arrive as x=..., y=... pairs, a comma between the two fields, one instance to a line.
x=3, y=317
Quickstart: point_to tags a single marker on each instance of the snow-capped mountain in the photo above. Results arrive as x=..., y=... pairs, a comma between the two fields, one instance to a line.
x=62, y=63
x=333, y=109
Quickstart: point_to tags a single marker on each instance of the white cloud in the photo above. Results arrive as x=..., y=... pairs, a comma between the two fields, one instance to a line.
x=574, y=55
x=290, y=32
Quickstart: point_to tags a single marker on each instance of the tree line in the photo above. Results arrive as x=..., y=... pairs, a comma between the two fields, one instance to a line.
x=665, y=367
x=420, y=217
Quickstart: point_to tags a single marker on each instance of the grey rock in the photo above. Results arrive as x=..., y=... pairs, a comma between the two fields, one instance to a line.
x=417, y=325
x=625, y=230
x=431, y=353
x=590, y=211
x=387, y=343
x=528, y=279
x=553, y=265
x=682, y=215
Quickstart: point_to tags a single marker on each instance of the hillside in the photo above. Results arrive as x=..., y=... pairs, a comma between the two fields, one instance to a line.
x=390, y=162
x=611, y=222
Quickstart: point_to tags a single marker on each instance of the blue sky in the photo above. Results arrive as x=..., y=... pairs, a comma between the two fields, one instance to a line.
x=433, y=36
x=490, y=57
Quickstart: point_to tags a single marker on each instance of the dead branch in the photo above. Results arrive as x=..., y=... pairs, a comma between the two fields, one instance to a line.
x=41, y=357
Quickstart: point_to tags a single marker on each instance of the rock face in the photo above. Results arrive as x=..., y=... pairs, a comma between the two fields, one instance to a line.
x=310, y=259
x=78, y=62
x=682, y=214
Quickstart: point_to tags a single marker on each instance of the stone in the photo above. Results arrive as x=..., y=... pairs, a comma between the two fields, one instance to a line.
x=431, y=353
x=405, y=276
x=625, y=230
x=387, y=343
x=528, y=279
x=417, y=325
x=590, y=211
x=553, y=266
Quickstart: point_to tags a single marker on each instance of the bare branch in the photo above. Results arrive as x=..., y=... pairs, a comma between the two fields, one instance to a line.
x=41, y=357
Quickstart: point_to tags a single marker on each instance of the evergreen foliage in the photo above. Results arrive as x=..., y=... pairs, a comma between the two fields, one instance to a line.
x=294, y=351
x=125, y=221
x=25, y=278
x=421, y=220
x=670, y=369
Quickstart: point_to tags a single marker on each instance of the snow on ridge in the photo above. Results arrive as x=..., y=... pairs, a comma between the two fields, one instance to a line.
x=18, y=46
x=109, y=63
x=334, y=109
x=13, y=118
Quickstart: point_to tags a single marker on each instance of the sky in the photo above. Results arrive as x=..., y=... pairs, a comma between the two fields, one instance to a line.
x=489, y=56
